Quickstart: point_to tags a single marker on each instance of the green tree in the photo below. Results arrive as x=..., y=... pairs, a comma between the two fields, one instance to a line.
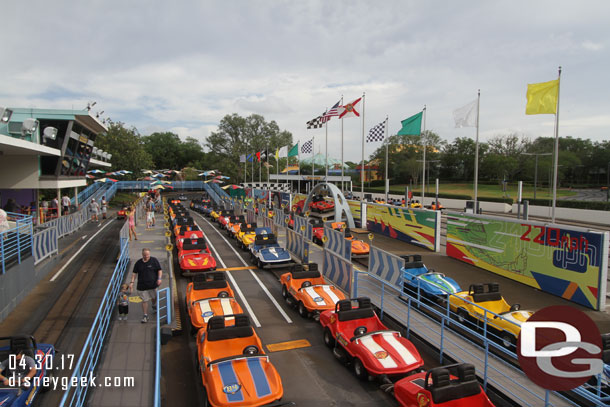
x=165, y=150
x=127, y=149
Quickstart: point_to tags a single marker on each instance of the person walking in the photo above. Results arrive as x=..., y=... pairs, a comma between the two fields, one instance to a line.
x=123, y=302
x=95, y=209
x=104, y=207
x=148, y=272
x=131, y=215
x=149, y=213
x=65, y=205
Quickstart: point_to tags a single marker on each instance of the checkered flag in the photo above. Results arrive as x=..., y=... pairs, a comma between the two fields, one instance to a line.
x=307, y=147
x=377, y=133
x=317, y=122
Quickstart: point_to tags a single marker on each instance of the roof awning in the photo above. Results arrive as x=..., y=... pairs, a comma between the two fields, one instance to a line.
x=16, y=146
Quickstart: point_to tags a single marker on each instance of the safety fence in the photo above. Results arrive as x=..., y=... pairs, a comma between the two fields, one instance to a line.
x=296, y=245
x=433, y=321
x=16, y=242
x=219, y=191
x=175, y=185
x=87, y=192
x=337, y=243
x=300, y=224
x=164, y=312
x=250, y=216
x=45, y=244
x=338, y=270
x=213, y=195
x=94, y=344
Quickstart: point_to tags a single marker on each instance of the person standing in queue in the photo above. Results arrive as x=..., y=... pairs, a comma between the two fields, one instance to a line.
x=148, y=271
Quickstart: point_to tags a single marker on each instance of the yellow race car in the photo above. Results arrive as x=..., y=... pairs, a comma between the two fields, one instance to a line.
x=483, y=302
x=245, y=236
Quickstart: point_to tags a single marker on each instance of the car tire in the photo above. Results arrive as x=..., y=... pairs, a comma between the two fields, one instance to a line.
x=508, y=340
x=302, y=310
x=328, y=338
x=359, y=370
x=462, y=316
x=284, y=291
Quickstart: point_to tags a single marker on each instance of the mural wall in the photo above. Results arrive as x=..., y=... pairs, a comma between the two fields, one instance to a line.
x=566, y=262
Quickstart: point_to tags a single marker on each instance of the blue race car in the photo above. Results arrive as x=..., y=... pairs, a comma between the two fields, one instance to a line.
x=416, y=276
x=266, y=251
x=43, y=355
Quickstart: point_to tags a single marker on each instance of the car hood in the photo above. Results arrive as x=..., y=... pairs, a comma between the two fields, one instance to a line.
x=197, y=261
x=517, y=317
x=388, y=351
x=274, y=253
x=442, y=283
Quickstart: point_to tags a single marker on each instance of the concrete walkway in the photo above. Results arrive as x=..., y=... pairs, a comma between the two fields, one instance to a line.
x=130, y=348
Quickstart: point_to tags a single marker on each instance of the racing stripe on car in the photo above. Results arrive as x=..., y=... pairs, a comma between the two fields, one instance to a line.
x=261, y=383
x=227, y=309
x=313, y=294
x=404, y=353
x=230, y=385
x=372, y=346
x=329, y=291
x=206, y=310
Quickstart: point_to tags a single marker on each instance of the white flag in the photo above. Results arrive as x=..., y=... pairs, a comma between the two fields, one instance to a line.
x=466, y=116
x=283, y=152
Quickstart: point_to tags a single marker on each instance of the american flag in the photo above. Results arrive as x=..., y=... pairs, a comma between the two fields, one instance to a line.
x=334, y=111
x=307, y=147
x=377, y=133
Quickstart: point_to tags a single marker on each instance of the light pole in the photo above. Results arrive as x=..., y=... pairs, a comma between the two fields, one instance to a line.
x=536, y=168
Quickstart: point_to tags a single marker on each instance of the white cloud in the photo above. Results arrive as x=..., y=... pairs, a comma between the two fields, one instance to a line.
x=181, y=67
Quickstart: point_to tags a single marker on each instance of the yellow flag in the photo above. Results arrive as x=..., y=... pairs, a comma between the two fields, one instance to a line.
x=277, y=153
x=542, y=97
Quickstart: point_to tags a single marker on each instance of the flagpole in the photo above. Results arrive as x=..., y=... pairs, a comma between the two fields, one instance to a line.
x=267, y=157
x=387, y=183
x=313, y=161
x=362, y=165
x=423, y=177
x=252, y=169
x=326, y=164
x=260, y=167
x=299, y=159
x=476, y=156
x=342, y=174
x=556, y=147
x=245, y=170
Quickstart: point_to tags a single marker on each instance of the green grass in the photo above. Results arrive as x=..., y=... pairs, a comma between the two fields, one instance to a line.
x=484, y=190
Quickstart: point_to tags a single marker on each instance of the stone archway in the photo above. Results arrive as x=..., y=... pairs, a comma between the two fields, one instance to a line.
x=341, y=206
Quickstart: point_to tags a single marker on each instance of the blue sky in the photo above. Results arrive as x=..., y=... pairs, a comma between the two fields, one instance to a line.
x=182, y=66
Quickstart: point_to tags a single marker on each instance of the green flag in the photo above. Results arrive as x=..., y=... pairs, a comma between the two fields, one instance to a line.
x=411, y=126
x=294, y=151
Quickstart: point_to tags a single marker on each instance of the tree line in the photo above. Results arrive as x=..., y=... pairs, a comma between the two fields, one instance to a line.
x=508, y=157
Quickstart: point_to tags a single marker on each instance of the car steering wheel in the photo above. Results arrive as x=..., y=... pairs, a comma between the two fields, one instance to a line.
x=251, y=350
x=361, y=330
x=306, y=284
x=223, y=294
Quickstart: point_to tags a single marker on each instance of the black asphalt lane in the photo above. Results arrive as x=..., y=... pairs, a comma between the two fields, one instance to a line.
x=311, y=376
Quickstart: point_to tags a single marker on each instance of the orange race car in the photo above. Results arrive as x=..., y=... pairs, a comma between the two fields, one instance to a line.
x=234, y=224
x=305, y=287
x=234, y=368
x=359, y=248
x=208, y=295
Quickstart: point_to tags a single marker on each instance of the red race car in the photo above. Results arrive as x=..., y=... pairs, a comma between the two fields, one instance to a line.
x=318, y=230
x=187, y=232
x=445, y=386
x=224, y=217
x=195, y=257
x=357, y=336
x=319, y=204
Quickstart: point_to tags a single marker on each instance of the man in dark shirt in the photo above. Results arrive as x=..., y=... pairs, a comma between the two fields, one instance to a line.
x=148, y=271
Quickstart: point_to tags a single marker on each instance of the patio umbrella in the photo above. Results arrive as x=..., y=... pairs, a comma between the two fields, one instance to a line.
x=89, y=176
x=149, y=172
x=159, y=176
x=96, y=171
x=232, y=187
x=147, y=179
x=158, y=187
x=106, y=180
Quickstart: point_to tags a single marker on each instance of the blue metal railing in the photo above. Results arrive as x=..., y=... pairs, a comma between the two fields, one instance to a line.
x=16, y=242
x=146, y=185
x=163, y=297
x=441, y=319
x=219, y=191
x=213, y=195
x=89, y=357
x=87, y=192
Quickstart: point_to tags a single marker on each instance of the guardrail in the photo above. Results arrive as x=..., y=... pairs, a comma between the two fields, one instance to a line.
x=45, y=244
x=16, y=242
x=163, y=297
x=436, y=332
x=87, y=192
x=89, y=357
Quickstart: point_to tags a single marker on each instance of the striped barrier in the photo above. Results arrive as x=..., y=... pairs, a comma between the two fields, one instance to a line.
x=279, y=218
x=338, y=270
x=337, y=243
x=44, y=244
x=386, y=266
x=250, y=216
x=294, y=243
x=268, y=222
x=299, y=222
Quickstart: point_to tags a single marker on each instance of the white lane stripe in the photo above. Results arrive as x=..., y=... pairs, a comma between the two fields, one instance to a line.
x=279, y=308
x=373, y=347
x=328, y=290
x=61, y=270
x=313, y=294
x=204, y=306
x=241, y=295
x=404, y=353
